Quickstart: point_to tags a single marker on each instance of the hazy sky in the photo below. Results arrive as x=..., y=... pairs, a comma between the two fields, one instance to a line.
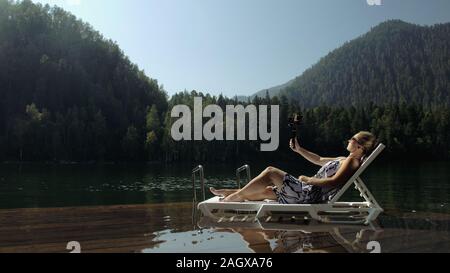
x=238, y=46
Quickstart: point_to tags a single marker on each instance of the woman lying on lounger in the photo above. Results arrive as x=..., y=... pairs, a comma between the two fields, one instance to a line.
x=275, y=184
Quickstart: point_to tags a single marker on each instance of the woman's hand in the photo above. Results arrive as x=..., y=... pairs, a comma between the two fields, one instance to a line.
x=304, y=179
x=297, y=146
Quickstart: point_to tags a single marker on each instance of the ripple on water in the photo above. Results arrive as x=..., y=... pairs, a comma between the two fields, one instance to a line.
x=161, y=183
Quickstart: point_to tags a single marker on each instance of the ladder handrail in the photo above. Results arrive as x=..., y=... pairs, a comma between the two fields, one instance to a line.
x=238, y=174
x=199, y=169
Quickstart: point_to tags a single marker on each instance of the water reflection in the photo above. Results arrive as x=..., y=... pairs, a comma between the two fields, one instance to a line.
x=394, y=231
x=281, y=237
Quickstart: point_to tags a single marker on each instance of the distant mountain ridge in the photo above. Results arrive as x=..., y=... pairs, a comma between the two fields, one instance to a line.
x=273, y=91
x=395, y=62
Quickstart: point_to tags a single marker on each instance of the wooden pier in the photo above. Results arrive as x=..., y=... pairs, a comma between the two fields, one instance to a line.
x=134, y=228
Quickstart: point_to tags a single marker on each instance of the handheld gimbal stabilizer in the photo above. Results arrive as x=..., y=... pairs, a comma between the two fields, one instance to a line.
x=294, y=123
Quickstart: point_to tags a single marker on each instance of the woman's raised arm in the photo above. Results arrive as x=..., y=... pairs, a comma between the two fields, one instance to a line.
x=310, y=156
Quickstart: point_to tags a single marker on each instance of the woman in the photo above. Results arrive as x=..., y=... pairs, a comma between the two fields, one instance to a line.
x=275, y=184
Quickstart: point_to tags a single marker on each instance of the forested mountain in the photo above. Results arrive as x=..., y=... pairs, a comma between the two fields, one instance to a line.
x=395, y=62
x=66, y=92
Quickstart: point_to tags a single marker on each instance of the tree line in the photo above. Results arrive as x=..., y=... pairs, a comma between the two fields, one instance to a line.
x=83, y=135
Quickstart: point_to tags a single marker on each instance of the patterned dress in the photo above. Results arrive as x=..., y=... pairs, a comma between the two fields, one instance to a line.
x=295, y=192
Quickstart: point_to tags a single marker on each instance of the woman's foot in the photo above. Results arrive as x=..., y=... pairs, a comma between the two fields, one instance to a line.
x=235, y=197
x=215, y=192
x=221, y=193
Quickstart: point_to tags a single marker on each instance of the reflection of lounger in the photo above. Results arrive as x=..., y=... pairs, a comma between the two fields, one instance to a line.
x=294, y=236
x=331, y=212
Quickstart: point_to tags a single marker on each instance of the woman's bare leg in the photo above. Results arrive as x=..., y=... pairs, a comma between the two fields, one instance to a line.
x=222, y=192
x=257, y=188
x=268, y=194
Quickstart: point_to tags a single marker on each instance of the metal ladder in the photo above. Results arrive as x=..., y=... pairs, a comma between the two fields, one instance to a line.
x=199, y=171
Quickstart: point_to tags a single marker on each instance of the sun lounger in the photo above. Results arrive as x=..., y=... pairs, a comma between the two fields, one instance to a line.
x=332, y=212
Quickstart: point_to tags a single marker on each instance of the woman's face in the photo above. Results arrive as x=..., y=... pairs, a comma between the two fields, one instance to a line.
x=353, y=144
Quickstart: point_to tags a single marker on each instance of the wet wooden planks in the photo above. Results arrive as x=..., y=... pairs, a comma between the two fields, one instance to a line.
x=133, y=228
x=127, y=228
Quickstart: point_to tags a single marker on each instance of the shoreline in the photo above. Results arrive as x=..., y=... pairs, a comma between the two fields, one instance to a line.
x=256, y=161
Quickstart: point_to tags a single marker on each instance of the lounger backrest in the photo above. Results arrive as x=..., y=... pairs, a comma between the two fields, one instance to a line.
x=361, y=169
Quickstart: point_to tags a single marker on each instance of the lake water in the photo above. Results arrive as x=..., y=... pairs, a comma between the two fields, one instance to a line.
x=44, y=206
x=404, y=186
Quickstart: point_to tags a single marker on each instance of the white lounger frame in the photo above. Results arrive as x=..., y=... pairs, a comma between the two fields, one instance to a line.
x=331, y=212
